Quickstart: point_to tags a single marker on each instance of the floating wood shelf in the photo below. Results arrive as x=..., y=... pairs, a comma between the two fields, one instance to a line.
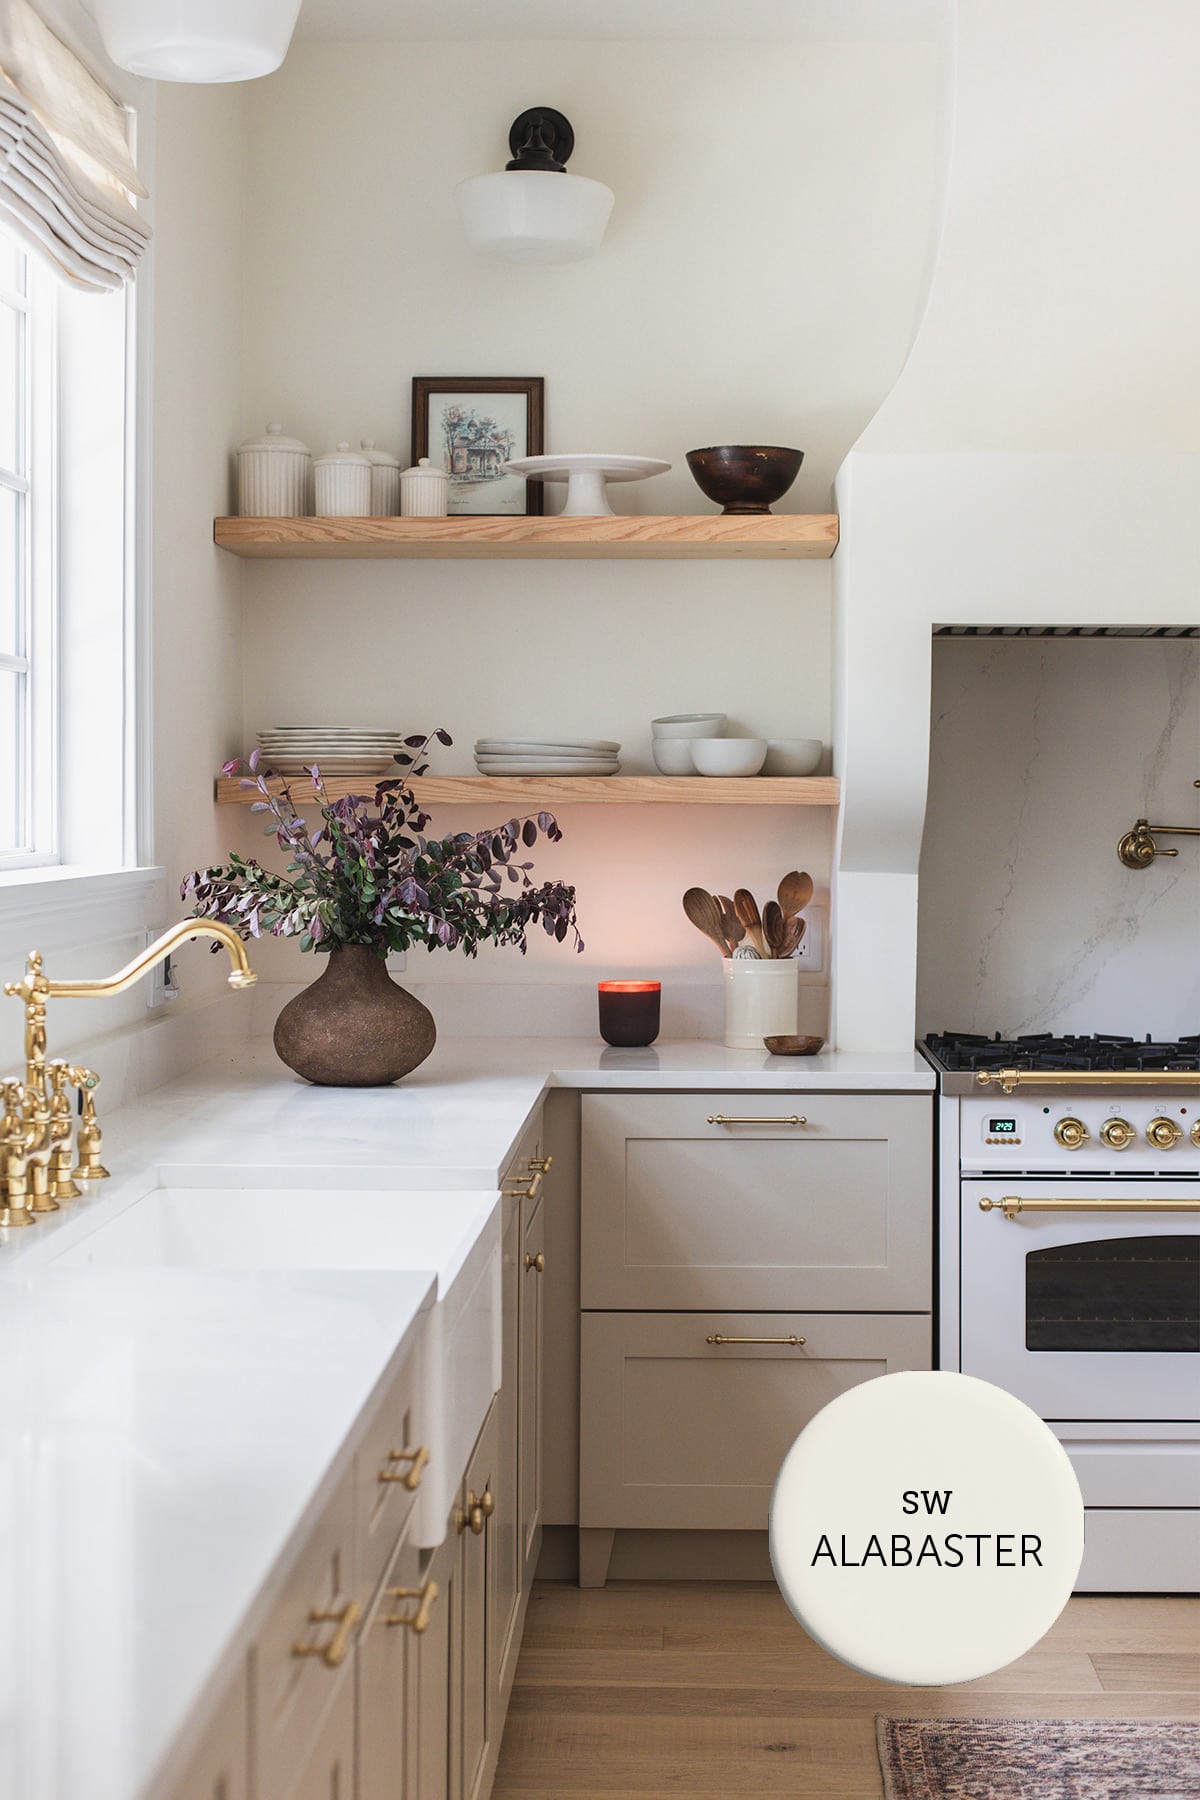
x=769, y=535
x=532, y=791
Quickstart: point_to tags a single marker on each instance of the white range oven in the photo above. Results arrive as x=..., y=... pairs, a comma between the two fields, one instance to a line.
x=1069, y=1274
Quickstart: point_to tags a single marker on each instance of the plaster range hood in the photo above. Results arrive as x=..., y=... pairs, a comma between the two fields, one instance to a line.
x=1035, y=468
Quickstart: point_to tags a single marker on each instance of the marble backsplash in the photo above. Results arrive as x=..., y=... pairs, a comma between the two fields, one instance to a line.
x=1043, y=752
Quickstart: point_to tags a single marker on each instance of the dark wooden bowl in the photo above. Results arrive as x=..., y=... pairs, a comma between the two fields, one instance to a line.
x=745, y=478
x=794, y=1046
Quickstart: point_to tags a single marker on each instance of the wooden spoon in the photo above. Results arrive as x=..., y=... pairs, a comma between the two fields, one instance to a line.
x=746, y=908
x=795, y=892
x=731, y=925
x=775, y=927
x=793, y=932
x=705, y=915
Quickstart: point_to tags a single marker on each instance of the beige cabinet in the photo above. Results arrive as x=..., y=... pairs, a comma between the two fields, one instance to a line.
x=504, y=1527
x=327, y=1771
x=219, y=1768
x=435, y=1687
x=534, y=1274
x=480, y=1701
x=388, y=1658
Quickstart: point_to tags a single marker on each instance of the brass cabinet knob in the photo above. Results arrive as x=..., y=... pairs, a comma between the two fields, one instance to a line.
x=536, y=1263
x=487, y=1503
x=475, y=1515
x=1117, y=1133
x=1072, y=1134
x=1164, y=1134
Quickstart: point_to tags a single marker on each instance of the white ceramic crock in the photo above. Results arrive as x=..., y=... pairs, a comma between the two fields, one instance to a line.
x=424, y=491
x=762, y=999
x=343, y=484
x=272, y=476
x=385, y=480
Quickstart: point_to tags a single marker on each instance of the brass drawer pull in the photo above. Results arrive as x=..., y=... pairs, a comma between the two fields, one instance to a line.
x=544, y=1163
x=720, y=1119
x=1013, y=1204
x=527, y=1193
x=536, y=1263
x=717, y=1337
x=333, y=1654
x=425, y=1596
x=411, y=1478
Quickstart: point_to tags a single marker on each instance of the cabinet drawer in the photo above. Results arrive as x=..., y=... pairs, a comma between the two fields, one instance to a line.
x=219, y=1768
x=676, y=1431
x=680, y=1209
x=390, y=1458
x=294, y=1681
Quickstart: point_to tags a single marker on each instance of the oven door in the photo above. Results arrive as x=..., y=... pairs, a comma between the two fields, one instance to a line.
x=1081, y=1312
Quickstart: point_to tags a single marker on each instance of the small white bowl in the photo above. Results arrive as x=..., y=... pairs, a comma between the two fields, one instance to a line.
x=673, y=756
x=688, y=725
x=728, y=756
x=793, y=756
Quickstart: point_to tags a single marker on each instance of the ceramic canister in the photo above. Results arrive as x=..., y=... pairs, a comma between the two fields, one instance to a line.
x=272, y=476
x=385, y=480
x=762, y=999
x=424, y=491
x=343, y=484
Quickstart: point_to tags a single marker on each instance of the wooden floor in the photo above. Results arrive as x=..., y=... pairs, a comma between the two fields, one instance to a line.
x=655, y=1690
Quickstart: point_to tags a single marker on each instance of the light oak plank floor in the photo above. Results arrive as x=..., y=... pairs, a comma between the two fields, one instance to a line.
x=660, y=1691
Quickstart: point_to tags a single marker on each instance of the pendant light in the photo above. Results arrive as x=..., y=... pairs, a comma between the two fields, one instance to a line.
x=532, y=210
x=197, y=40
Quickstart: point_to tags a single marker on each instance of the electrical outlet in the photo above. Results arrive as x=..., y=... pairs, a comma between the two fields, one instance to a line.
x=161, y=985
x=811, y=953
x=396, y=962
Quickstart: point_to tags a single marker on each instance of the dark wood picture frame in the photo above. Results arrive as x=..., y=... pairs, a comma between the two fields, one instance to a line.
x=532, y=386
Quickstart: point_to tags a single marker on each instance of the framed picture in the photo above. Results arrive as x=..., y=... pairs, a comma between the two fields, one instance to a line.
x=470, y=425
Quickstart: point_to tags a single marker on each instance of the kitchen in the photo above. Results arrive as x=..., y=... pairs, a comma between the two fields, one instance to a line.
x=961, y=371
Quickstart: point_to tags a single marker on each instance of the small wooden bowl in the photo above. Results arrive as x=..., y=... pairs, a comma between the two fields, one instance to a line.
x=794, y=1046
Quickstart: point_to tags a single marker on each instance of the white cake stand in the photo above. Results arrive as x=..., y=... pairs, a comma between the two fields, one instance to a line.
x=585, y=477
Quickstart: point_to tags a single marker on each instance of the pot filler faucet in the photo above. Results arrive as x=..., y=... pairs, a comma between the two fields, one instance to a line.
x=38, y=1166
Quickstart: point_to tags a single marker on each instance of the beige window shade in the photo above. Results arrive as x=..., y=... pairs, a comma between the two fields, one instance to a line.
x=67, y=178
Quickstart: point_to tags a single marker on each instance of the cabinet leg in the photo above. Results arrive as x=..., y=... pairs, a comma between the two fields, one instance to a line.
x=595, y=1548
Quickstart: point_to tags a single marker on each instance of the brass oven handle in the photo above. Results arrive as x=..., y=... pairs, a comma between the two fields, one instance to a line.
x=1009, y=1079
x=416, y=1621
x=333, y=1654
x=1012, y=1204
x=721, y=1119
x=717, y=1337
x=411, y=1479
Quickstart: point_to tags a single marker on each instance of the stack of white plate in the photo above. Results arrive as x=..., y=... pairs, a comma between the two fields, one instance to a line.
x=547, y=756
x=339, y=749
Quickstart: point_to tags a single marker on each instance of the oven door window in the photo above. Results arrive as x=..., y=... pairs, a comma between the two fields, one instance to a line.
x=1136, y=1293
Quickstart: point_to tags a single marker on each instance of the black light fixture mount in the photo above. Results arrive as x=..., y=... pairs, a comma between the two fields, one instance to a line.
x=541, y=139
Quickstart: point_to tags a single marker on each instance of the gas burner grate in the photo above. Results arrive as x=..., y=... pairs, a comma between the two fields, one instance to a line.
x=967, y=1051
x=1068, y=631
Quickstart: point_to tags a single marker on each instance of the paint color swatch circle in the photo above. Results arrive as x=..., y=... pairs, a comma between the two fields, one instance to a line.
x=926, y=1528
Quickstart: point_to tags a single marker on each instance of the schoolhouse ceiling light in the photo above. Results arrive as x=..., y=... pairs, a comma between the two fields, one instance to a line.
x=532, y=210
x=197, y=40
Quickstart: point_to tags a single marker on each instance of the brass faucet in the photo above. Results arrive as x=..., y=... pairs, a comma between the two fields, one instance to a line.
x=36, y=1158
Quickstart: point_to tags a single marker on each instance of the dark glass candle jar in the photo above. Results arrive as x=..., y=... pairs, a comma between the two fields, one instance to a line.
x=629, y=1012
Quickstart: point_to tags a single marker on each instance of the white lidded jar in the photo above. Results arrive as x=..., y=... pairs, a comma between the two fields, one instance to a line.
x=343, y=484
x=424, y=491
x=762, y=999
x=272, y=476
x=385, y=480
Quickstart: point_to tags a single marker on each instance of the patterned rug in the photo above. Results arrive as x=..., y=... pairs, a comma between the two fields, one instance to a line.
x=1038, y=1759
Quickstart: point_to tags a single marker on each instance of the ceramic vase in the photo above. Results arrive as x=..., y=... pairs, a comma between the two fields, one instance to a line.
x=354, y=1027
x=762, y=999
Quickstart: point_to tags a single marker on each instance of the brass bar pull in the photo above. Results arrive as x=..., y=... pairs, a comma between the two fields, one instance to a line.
x=1009, y=1079
x=536, y=1263
x=717, y=1337
x=1012, y=1204
x=543, y=1163
x=333, y=1654
x=721, y=1119
x=527, y=1193
x=411, y=1478
x=425, y=1596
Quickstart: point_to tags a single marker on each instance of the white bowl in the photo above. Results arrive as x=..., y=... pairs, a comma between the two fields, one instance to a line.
x=688, y=725
x=728, y=756
x=793, y=756
x=673, y=756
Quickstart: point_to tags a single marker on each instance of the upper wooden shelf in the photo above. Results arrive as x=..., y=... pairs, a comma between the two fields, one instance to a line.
x=533, y=791
x=804, y=535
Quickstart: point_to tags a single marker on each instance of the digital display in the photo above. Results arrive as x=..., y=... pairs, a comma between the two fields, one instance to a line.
x=1002, y=1127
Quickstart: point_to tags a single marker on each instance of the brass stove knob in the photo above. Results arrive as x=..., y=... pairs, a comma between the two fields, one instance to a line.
x=1196, y=1133
x=1164, y=1134
x=1118, y=1134
x=1072, y=1134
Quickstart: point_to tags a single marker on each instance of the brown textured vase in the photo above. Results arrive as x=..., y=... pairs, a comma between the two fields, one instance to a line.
x=354, y=1027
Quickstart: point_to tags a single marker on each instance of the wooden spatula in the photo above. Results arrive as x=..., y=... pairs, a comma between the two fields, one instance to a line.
x=746, y=908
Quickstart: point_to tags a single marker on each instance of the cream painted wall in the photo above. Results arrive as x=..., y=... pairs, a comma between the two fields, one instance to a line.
x=759, y=282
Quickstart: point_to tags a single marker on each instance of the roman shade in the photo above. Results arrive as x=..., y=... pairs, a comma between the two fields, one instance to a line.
x=67, y=179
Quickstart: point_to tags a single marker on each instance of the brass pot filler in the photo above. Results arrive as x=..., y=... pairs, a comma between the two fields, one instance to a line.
x=1138, y=848
x=39, y=1168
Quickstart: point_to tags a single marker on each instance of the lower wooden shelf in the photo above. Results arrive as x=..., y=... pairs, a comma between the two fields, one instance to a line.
x=749, y=535
x=571, y=790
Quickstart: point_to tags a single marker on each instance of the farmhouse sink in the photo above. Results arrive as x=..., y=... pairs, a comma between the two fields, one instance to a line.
x=454, y=1236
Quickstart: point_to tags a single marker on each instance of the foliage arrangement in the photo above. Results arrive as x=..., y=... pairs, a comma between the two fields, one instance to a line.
x=368, y=875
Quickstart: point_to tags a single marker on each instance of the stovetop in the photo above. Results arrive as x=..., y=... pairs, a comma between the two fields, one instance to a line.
x=956, y=1051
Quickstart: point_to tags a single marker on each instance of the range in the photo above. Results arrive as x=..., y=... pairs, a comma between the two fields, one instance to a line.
x=1069, y=1270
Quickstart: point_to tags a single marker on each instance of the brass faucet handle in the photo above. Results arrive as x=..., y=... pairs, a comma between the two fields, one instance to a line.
x=14, y=1158
x=62, y=1184
x=89, y=1138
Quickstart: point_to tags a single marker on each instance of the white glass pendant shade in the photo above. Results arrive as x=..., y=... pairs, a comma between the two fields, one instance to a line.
x=529, y=216
x=197, y=40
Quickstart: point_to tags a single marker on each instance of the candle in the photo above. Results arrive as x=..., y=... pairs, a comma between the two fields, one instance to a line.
x=629, y=1011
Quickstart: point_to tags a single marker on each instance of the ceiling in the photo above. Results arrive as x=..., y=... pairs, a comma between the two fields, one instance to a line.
x=378, y=21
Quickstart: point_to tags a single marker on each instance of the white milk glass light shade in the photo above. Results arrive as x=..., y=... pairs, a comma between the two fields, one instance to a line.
x=527, y=215
x=197, y=40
